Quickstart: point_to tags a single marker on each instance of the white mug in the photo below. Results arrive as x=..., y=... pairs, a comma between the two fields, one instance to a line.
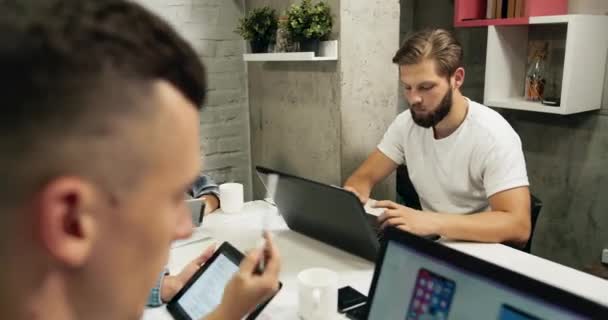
x=231, y=197
x=317, y=294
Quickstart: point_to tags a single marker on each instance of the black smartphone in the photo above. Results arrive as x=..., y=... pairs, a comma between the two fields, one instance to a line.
x=357, y=313
x=349, y=298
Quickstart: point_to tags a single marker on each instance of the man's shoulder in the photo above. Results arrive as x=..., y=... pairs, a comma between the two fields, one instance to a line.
x=404, y=120
x=489, y=123
x=404, y=117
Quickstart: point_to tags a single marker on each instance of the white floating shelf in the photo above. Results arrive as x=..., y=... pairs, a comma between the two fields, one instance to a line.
x=525, y=105
x=328, y=52
x=583, y=64
x=566, y=18
x=286, y=56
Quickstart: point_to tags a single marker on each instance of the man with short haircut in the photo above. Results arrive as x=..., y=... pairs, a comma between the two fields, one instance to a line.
x=464, y=160
x=99, y=142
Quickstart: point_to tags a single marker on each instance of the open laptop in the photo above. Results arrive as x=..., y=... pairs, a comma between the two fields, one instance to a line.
x=419, y=279
x=326, y=213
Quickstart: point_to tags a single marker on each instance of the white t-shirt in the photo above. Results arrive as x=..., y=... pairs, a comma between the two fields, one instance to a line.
x=457, y=174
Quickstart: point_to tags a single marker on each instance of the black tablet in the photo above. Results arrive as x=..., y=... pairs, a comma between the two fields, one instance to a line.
x=203, y=292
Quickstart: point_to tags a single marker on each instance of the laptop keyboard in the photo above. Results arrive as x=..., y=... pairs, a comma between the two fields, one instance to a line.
x=373, y=221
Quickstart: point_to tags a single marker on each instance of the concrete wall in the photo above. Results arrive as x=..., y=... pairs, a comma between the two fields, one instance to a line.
x=208, y=25
x=321, y=119
x=588, y=6
x=369, y=38
x=295, y=117
x=566, y=156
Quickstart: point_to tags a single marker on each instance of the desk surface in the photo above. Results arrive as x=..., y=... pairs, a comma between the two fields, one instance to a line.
x=299, y=252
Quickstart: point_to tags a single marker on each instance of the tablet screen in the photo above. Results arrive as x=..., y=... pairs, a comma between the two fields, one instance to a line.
x=206, y=293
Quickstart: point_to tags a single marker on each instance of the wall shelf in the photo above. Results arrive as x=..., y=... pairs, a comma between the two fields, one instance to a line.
x=579, y=68
x=492, y=22
x=519, y=103
x=474, y=13
x=328, y=52
x=565, y=18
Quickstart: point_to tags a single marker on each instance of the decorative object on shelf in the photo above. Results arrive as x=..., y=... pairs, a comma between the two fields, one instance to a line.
x=283, y=42
x=536, y=77
x=259, y=27
x=308, y=24
x=551, y=93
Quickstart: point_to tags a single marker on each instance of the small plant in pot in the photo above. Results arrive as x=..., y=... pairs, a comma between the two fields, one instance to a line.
x=259, y=27
x=309, y=23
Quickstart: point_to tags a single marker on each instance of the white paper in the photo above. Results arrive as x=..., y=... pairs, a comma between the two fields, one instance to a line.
x=369, y=208
x=197, y=236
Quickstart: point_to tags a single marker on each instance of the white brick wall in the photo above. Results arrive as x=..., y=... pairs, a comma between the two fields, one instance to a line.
x=209, y=27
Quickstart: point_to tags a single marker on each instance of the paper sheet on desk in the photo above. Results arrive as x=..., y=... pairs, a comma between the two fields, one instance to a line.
x=197, y=236
x=275, y=312
x=369, y=208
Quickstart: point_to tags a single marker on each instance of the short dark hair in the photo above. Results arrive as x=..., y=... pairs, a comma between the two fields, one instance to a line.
x=70, y=67
x=436, y=44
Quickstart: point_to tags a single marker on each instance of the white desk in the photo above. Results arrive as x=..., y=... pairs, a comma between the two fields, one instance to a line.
x=299, y=252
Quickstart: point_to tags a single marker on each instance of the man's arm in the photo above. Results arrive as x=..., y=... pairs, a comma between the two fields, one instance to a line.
x=508, y=222
x=374, y=169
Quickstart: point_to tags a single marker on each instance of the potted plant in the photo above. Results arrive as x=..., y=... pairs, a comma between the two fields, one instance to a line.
x=308, y=24
x=259, y=27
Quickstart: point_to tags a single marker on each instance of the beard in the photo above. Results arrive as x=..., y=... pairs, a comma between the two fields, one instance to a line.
x=432, y=118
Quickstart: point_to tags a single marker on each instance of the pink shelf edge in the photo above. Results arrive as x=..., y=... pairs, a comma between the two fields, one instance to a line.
x=492, y=22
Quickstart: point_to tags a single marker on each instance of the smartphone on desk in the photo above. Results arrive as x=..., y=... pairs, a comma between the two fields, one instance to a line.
x=351, y=302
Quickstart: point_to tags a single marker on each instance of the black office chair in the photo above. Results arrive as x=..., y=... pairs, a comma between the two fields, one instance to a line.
x=409, y=197
x=536, y=205
x=405, y=189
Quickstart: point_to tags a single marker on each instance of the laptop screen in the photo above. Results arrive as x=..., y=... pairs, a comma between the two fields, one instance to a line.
x=413, y=285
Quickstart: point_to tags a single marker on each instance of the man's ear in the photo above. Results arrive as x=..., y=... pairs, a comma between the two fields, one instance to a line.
x=67, y=227
x=458, y=78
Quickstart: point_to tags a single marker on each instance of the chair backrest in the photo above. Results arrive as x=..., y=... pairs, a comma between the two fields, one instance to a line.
x=535, y=206
x=409, y=197
x=406, y=190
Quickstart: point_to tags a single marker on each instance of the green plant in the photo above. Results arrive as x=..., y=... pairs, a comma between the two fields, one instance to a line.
x=258, y=25
x=308, y=21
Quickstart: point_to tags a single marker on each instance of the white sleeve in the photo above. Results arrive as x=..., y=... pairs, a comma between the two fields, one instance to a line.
x=393, y=140
x=504, y=166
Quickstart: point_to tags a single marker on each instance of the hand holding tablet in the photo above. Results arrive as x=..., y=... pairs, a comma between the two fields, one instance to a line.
x=224, y=290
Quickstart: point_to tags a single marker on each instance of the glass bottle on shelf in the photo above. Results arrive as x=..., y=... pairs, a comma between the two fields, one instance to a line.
x=283, y=41
x=536, y=77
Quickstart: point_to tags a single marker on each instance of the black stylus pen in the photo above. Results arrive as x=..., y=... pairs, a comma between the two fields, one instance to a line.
x=262, y=262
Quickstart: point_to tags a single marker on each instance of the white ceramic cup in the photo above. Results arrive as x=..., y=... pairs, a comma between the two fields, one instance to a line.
x=231, y=197
x=317, y=294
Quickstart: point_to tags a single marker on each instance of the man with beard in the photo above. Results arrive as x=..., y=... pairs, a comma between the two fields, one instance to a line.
x=464, y=160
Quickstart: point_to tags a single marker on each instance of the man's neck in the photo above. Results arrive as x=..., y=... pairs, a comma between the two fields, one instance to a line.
x=46, y=300
x=454, y=119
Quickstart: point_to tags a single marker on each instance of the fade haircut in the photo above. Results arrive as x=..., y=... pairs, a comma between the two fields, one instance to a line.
x=75, y=75
x=435, y=44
